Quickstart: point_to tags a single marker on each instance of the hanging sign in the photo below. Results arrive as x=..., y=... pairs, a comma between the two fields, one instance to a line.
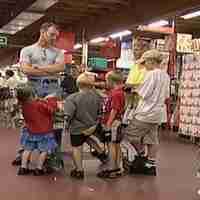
x=3, y=41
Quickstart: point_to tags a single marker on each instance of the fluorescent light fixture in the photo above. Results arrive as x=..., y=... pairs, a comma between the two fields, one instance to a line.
x=191, y=15
x=42, y=6
x=11, y=32
x=77, y=46
x=158, y=23
x=13, y=27
x=27, y=17
x=98, y=40
x=23, y=20
x=120, y=34
x=19, y=22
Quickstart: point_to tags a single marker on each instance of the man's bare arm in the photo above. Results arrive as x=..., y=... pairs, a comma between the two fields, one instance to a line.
x=28, y=69
x=54, y=68
x=42, y=70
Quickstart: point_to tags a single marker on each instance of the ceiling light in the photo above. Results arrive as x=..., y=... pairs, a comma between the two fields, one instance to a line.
x=29, y=16
x=23, y=20
x=98, y=40
x=12, y=27
x=158, y=23
x=11, y=32
x=19, y=22
x=77, y=46
x=191, y=15
x=121, y=34
x=42, y=6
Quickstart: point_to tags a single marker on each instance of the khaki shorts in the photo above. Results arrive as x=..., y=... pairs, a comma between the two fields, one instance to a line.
x=115, y=131
x=141, y=132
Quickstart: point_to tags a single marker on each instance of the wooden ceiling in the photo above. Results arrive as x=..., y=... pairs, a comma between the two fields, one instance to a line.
x=9, y=9
x=95, y=16
x=191, y=26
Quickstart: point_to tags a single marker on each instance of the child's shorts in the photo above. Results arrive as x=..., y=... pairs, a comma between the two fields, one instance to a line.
x=116, y=132
x=78, y=140
x=40, y=142
x=141, y=132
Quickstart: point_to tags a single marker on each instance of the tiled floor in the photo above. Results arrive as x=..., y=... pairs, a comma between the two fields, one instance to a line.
x=175, y=180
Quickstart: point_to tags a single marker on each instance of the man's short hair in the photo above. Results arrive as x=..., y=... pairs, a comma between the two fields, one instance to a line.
x=45, y=26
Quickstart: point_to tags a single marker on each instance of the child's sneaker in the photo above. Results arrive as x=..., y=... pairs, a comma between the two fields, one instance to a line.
x=138, y=164
x=110, y=173
x=38, y=172
x=77, y=174
x=23, y=171
x=141, y=165
x=150, y=171
x=17, y=161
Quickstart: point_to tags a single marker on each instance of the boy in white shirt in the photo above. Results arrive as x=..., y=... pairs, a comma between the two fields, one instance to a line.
x=143, y=127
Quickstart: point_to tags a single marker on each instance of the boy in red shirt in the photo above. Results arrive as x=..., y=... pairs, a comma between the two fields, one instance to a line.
x=38, y=132
x=114, y=109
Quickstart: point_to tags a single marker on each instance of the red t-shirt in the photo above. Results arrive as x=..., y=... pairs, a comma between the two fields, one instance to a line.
x=114, y=101
x=38, y=115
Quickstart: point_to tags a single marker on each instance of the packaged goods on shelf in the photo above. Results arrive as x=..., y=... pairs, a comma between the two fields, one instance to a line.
x=190, y=96
x=184, y=43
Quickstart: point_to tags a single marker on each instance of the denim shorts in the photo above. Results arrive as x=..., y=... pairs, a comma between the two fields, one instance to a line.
x=41, y=142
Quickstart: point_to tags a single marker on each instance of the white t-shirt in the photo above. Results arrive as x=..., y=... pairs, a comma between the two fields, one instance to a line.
x=38, y=56
x=154, y=92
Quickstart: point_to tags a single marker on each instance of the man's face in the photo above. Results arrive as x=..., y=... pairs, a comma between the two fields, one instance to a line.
x=51, y=35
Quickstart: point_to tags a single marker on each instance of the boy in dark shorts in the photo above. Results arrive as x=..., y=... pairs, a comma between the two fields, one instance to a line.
x=81, y=111
x=142, y=131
